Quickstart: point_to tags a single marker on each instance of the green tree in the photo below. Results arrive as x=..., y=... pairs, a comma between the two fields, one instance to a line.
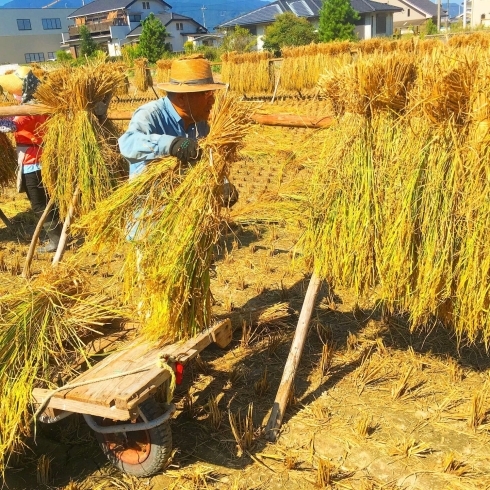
x=239, y=40
x=152, y=39
x=337, y=18
x=87, y=45
x=431, y=28
x=62, y=55
x=288, y=30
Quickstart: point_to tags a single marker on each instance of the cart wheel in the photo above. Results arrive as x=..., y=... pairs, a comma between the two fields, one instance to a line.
x=141, y=453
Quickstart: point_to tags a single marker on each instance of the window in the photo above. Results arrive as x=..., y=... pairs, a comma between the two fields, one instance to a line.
x=24, y=24
x=135, y=18
x=51, y=55
x=408, y=12
x=179, y=26
x=381, y=24
x=51, y=24
x=146, y=5
x=30, y=57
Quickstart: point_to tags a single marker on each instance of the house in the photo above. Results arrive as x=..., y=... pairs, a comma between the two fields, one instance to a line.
x=179, y=27
x=376, y=19
x=415, y=13
x=113, y=23
x=28, y=35
x=478, y=12
x=212, y=39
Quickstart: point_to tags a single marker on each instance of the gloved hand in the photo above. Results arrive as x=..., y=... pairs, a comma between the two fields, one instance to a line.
x=185, y=149
x=230, y=195
x=100, y=110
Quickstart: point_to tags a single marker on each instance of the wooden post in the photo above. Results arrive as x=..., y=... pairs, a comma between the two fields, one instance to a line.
x=284, y=391
x=64, y=232
x=6, y=221
x=27, y=267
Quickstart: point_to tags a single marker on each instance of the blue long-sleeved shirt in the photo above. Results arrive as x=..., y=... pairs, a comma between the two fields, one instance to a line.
x=151, y=131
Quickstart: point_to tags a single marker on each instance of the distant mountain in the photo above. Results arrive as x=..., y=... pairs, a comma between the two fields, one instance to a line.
x=454, y=8
x=215, y=11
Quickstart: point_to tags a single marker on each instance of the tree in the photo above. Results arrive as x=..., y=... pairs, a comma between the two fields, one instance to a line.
x=288, y=30
x=62, y=55
x=87, y=45
x=152, y=39
x=337, y=18
x=239, y=40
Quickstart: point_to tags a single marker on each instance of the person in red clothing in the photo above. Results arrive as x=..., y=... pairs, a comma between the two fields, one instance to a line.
x=28, y=133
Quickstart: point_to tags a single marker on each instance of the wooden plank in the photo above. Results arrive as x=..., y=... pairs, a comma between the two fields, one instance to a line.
x=39, y=395
x=125, y=392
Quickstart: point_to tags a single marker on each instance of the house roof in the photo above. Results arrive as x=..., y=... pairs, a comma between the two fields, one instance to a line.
x=99, y=6
x=166, y=19
x=302, y=8
x=426, y=6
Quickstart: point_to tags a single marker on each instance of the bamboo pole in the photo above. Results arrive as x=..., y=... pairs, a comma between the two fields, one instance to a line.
x=287, y=120
x=64, y=232
x=6, y=221
x=289, y=373
x=27, y=266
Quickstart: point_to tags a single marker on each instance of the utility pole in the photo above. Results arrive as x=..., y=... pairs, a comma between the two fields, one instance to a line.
x=438, y=15
x=447, y=17
x=203, y=8
x=465, y=6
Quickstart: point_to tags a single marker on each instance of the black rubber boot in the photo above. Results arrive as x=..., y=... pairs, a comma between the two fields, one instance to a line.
x=54, y=233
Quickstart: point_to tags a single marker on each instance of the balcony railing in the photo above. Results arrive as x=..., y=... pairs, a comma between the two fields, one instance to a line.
x=99, y=28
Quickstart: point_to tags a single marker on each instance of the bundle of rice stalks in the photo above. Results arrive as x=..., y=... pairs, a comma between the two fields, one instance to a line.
x=249, y=73
x=444, y=84
x=80, y=151
x=142, y=76
x=123, y=88
x=162, y=74
x=478, y=39
x=8, y=157
x=373, y=83
x=42, y=329
x=178, y=219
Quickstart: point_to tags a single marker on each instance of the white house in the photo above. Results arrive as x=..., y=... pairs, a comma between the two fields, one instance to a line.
x=376, y=19
x=478, y=12
x=28, y=35
x=180, y=29
x=414, y=13
x=113, y=23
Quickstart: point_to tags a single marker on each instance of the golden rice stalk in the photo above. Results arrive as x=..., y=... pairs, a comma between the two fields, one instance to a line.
x=178, y=219
x=42, y=327
x=162, y=74
x=142, y=76
x=8, y=159
x=79, y=151
x=249, y=73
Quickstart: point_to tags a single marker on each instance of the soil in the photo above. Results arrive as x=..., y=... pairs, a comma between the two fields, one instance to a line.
x=374, y=404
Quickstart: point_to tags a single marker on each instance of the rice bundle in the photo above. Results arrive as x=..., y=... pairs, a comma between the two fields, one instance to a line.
x=42, y=327
x=249, y=73
x=373, y=83
x=162, y=74
x=80, y=152
x=142, y=76
x=399, y=202
x=123, y=87
x=8, y=159
x=178, y=219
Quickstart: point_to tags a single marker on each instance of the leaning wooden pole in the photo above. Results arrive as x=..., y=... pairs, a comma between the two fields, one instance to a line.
x=66, y=225
x=5, y=220
x=27, y=267
x=284, y=391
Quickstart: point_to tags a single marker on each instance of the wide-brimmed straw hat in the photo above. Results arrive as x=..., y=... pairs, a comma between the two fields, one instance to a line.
x=190, y=74
x=13, y=82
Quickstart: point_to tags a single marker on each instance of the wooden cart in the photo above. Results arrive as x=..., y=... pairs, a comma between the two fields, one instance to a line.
x=115, y=398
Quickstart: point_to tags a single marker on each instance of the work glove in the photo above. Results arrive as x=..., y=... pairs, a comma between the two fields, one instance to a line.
x=185, y=149
x=229, y=195
x=100, y=110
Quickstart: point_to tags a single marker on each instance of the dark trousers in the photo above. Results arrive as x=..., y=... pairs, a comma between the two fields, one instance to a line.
x=36, y=193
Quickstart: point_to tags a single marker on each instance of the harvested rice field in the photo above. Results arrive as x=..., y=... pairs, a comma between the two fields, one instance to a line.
x=388, y=207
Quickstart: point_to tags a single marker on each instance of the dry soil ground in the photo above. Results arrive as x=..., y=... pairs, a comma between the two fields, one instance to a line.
x=375, y=406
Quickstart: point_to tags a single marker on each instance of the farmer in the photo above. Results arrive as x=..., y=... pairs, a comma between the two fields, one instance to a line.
x=173, y=124
x=28, y=133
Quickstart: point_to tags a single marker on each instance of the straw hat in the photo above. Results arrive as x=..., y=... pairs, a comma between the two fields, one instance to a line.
x=13, y=82
x=190, y=74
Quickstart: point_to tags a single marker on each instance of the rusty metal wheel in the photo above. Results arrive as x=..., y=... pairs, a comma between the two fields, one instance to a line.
x=140, y=453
